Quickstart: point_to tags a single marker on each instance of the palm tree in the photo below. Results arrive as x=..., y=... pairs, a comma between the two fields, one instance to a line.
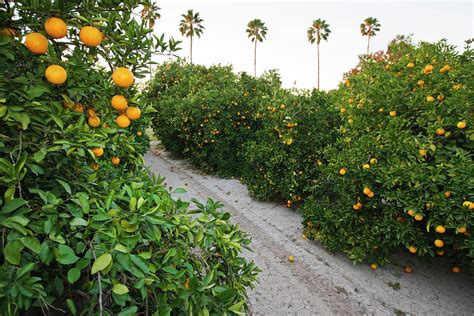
x=318, y=31
x=190, y=26
x=256, y=31
x=368, y=28
x=149, y=15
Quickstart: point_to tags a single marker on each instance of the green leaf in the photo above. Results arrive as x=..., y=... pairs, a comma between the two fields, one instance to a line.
x=101, y=263
x=57, y=120
x=65, y=185
x=12, y=205
x=170, y=270
x=73, y=275
x=66, y=255
x=121, y=248
x=31, y=243
x=109, y=199
x=129, y=311
x=237, y=307
x=72, y=306
x=120, y=289
x=24, y=270
x=78, y=221
x=12, y=251
x=36, y=91
x=179, y=191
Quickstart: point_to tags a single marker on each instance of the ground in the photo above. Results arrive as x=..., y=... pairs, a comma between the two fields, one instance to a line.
x=317, y=282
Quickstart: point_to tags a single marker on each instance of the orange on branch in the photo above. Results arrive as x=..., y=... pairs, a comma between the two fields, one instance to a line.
x=55, y=27
x=56, y=74
x=90, y=36
x=36, y=43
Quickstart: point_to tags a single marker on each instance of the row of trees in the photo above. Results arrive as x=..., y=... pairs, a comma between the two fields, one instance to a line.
x=191, y=25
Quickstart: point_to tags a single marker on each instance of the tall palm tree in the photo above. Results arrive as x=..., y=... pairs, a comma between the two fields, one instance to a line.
x=256, y=31
x=149, y=15
x=368, y=28
x=318, y=31
x=190, y=26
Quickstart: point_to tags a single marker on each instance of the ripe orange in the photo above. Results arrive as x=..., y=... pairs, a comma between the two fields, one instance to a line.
x=422, y=152
x=456, y=269
x=440, y=131
x=411, y=212
x=342, y=171
x=94, y=121
x=366, y=166
x=440, y=229
x=447, y=194
x=467, y=204
x=122, y=121
x=115, y=160
x=78, y=107
x=444, y=69
x=350, y=101
x=440, y=97
x=36, y=43
x=343, y=110
x=418, y=217
x=373, y=161
x=440, y=253
x=410, y=65
x=98, y=151
x=291, y=258
x=91, y=112
x=94, y=166
x=461, y=230
x=55, y=27
x=122, y=77
x=56, y=74
x=430, y=98
x=461, y=125
x=393, y=113
x=373, y=266
x=371, y=194
x=412, y=249
x=90, y=36
x=439, y=243
x=421, y=83
x=367, y=191
x=139, y=133
x=119, y=102
x=428, y=69
x=408, y=269
x=133, y=113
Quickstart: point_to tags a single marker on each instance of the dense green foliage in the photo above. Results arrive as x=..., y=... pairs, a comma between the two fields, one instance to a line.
x=80, y=235
x=290, y=145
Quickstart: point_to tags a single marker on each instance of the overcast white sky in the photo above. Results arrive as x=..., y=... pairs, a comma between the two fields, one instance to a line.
x=287, y=48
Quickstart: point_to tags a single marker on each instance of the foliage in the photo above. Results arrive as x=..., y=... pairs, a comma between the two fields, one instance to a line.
x=82, y=235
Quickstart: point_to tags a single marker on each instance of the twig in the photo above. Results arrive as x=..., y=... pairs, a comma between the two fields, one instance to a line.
x=100, y=285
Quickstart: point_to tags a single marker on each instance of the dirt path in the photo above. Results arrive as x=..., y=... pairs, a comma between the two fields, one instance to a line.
x=318, y=282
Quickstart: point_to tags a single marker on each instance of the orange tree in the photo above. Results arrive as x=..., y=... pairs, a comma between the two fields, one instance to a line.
x=84, y=228
x=400, y=175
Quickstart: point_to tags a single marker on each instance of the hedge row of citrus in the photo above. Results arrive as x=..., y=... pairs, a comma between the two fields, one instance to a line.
x=85, y=230
x=382, y=164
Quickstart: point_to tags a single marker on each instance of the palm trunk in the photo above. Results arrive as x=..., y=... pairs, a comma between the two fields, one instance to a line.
x=368, y=43
x=255, y=59
x=318, y=66
x=191, y=51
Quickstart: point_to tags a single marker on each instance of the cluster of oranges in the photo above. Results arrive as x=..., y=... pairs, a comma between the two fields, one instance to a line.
x=90, y=36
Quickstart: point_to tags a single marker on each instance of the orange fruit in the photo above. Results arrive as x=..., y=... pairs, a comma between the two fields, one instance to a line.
x=440, y=253
x=447, y=194
x=371, y=194
x=133, y=113
x=8, y=31
x=440, y=229
x=440, y=131
x=291, y=258
x=304, y=236
x=55, y=27
x=428, y=69
x=467, y=204
x=122, y=77
x=56, y=74
x=350, y=121
x=139, y=133
x=408, y=269
x=343, y=110
x=350, y=101
x=366, y=191
x=373, y=266
x=456, y=269
x=440, y=97
x=91, y=112
x=412, y=249
x=119, y=102
x=393, y=113
x=421, y=83
x=410, y=65
x=422, y=152
x=36, y=43
x=418, y=217
x=94, y=166
x=115, y=160
x=439, y=243
x=342, y=171
x=94, y=121
x=430, y=98
x=456, y=87
x=411, y=212
x=373, y=161
x=366, y=166
x=78, y=108
x=98, y=151
x=122, y=121
x=461, y=230
x=461, y=125
x=90, y=36
x=444, y=69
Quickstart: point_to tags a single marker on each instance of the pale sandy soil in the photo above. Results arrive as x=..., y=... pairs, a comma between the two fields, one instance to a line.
x=318, y=282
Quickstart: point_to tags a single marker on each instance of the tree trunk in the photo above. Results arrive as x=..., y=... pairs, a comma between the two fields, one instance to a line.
x=191, y=51
x=255, y=59
x=368, y=43
x=318, y=66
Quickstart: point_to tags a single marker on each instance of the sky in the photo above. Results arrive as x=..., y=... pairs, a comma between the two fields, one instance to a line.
x=286, y=47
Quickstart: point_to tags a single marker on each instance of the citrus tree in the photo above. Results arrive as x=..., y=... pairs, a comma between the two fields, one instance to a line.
x=85, y=231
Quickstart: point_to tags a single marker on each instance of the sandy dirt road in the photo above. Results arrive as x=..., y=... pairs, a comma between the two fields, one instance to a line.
x=317, y=282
